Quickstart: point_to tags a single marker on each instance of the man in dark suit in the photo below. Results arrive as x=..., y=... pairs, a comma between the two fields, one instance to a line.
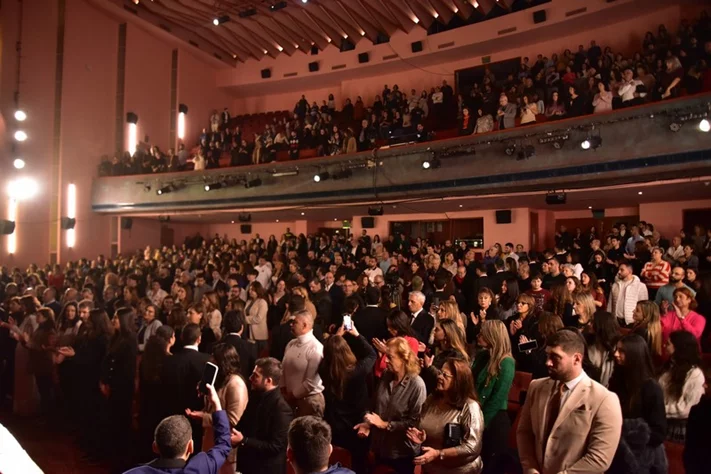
x=261, y=434
x=174, y=445
x=370, y=320
x=234, y=326
x=49, y=299
x=322, y=301
x=337, y=296
x=181, y=375
x=421, y=321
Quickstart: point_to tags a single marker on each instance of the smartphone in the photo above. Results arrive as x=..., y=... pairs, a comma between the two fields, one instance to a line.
x=347, y=322
x=209, y=374
x=528, y=346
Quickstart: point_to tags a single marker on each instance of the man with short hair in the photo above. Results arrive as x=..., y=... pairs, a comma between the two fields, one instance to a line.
x=49, y=300
x=261, y=433
x=370, y=320
x=628, y=88
x=234, y=327
x=373, y=270
x=174, y=444
x=264, y=268
x=156, y=294
x=322, y=301
x=301, y=384
x=310, y=447
x=675, y=250
x=420, y=320
x=509, y=251
x=634, y=238
x=554, y=276
x=665, y=295
x=569, y=422
x=85, y=307
x=626, y=292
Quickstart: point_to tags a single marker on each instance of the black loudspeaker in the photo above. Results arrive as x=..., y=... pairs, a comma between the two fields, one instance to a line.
x=347, y=45
x=314, y=50
x=67, y=223
x=417, y=47
x=363, y=58
x=503, y=217
x=246, y=228
x=7, y=227
x=126, y=223
x=266, y=73
x=598, y=214
x=245, y=217
x=131, y=118
x=183, y=109
x=375, y=211
x=553, y=199
x=367, y=222
x=539, y=16
x=313, y=67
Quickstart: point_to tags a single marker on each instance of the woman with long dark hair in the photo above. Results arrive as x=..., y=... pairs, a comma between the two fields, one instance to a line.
x=118, y=373
x=648, y=325
x=68, y=324
x=602, y=343
x=233, y=395
x=641, y=397
x=347, y=362
x=682, y=382
x=256, y=315
x=508, y=297
x=151, y=407
x=590, y=284
x=398, y=324
x=449, y=343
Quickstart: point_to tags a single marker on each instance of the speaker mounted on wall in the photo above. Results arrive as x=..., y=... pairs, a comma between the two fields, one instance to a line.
x=245, y=228
x=503, y=217
x=539, y=16
x=363, y=58
x=266, y=73
x=554, y=199
x=126, y=223
x=6, y=227
x=416, y=47
x=367, y=222
x=313, y=67
x=67, y=223
x=598, y=214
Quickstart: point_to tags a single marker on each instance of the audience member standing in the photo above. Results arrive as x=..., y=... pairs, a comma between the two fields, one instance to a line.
x=642, y=403
x=551, y=438
x=655, y=273
x=398, y=403
x=449, y=344
x=682, y=316
x=421, y=321
x=301, y=383
x=345, y=372
x=697, y=456
x=309, y=447
x=261, y=435
x=256, y=315
x=626, y=292
x=398, y=326
x=234, y=327
x=682, y=382
x=453, y=403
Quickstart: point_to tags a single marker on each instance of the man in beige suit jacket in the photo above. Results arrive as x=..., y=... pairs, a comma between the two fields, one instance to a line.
x=583, y=435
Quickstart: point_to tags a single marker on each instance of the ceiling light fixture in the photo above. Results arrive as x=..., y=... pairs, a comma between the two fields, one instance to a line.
x=20, y=136
x=318, y=177
x=213, y=186
x=220, y=20
x=19, y=163
x=704, y=125
x=277, y=6
x=164, y=190
x=416, y=20
x=20, y=115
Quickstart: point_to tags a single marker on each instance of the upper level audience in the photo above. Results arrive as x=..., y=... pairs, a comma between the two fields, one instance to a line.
x=419, y=362
x=567, y=84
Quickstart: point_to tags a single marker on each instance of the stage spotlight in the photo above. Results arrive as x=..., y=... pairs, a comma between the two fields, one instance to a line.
x=432, y=163
x=704, y=125
x=277, y=6
x=253, y=183
x=304, y=1
x=20, y=115
x=585, y=144
x=164, y=190
x=595, y=142
x=318, y=177
x=343, y=174
x=675, y=126
x=20, y=136
x=248, y=12
x=510, y=149
x=212, y=186
x=220, y=20
x=19, y=163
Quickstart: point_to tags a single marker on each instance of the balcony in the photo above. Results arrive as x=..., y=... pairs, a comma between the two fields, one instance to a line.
x=635, y=145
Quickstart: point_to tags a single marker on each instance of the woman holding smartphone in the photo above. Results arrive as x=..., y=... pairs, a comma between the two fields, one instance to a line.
x=449, y=343
x=451, y=425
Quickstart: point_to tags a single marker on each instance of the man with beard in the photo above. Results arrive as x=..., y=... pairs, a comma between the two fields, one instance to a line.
x=261, y=434
x=665, y=295
x=553, y=434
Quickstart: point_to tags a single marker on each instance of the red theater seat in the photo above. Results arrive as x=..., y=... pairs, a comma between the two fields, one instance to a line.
x=308, y=153
x=675, y=456
x=282, y=155
x=519, y=386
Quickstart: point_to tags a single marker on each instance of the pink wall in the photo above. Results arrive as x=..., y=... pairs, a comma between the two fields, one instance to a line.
x=419, y=73
x=667, y=217
x=584, y=214
x=148, y=63
x=144, y=232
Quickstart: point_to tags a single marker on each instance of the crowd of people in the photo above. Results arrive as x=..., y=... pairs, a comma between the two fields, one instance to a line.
x=564, y=85
x=406, y=348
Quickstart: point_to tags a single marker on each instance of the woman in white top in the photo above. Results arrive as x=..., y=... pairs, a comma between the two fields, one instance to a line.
x=256, y=315
x=528, y=111
x=199, y=161
x=377, y=246
x=682, y=382
x=211, y=303
x=233, y=395
x=150, y=325
x=603, y=99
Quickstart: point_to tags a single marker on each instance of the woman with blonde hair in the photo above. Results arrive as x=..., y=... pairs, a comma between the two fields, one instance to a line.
x=391, y=416
x=308, y=304
x=647, y=324
x=584, y=307
x=449, y=343
x=493, y=370
x=448, y=309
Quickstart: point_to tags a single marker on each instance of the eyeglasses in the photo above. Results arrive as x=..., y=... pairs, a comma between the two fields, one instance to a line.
x=446, y=375
x=522, y=303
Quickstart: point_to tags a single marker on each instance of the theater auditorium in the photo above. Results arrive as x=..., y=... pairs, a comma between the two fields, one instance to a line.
x=355, y=236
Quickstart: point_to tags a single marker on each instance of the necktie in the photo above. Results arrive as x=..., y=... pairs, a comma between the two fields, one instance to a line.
x=553, y=411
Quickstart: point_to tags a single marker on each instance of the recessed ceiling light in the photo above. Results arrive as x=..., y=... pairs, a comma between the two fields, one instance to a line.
x=436, y=15
x=345, y=37
x=416, y=20
x=233, y=222
x=461, y=205
x=277, y=220
x=456, y=10
x=589, y=207
x=303, y=213
x=640, y=193
x=335, y=219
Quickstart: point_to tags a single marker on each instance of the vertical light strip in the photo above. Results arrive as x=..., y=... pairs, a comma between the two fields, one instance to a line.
x=132, y=138
x=181, y=126
x=12, y=216
x=71, y=213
